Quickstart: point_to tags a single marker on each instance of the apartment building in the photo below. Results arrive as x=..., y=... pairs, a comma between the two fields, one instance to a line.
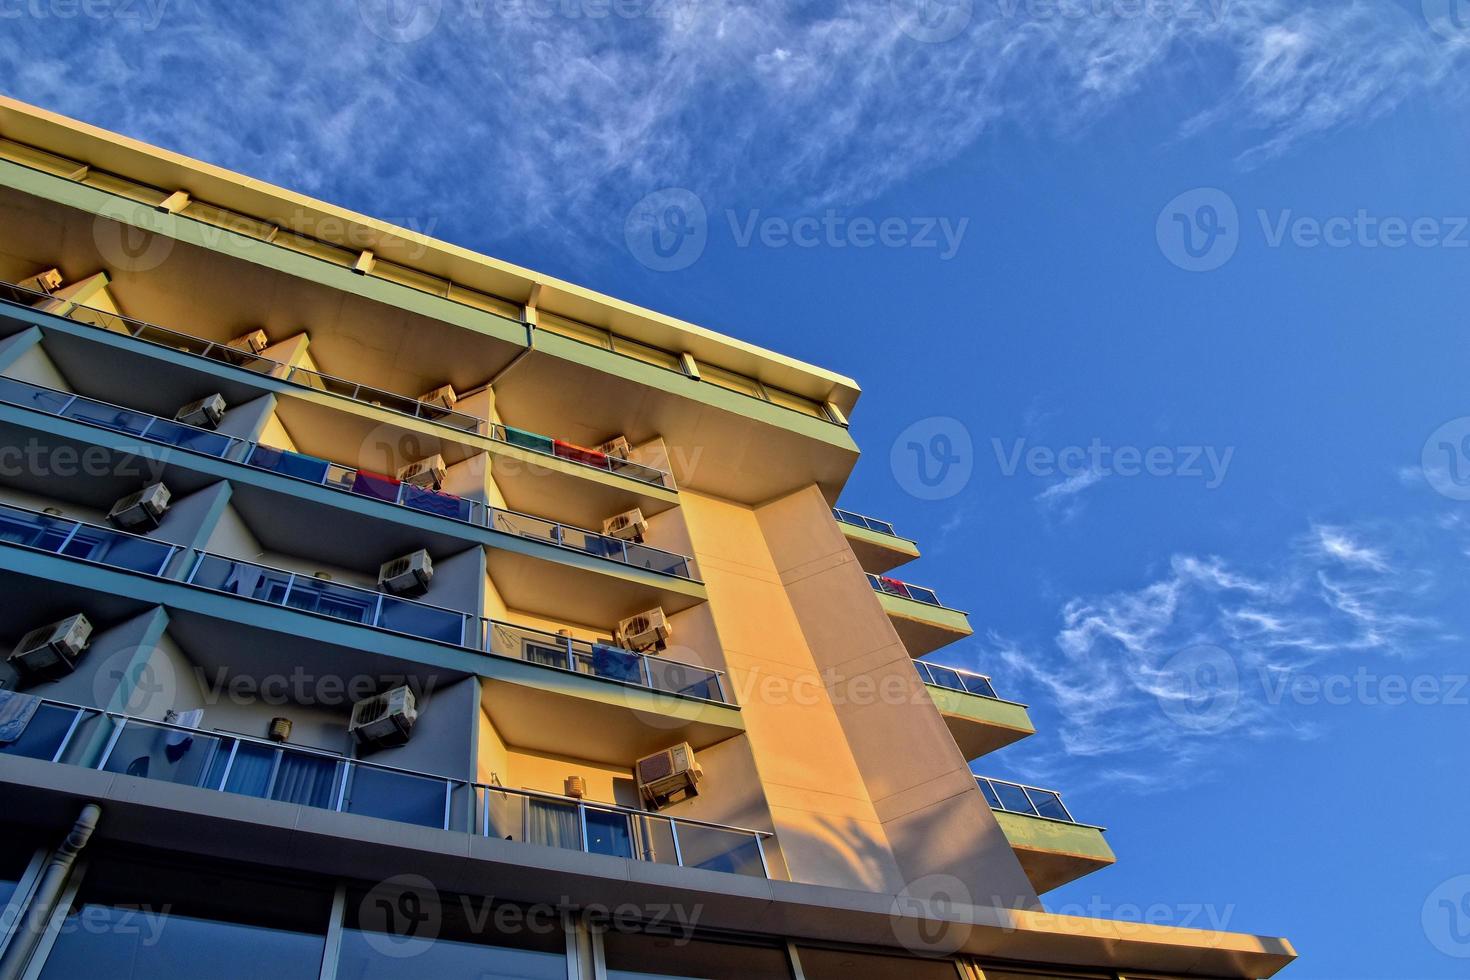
x=382, y=609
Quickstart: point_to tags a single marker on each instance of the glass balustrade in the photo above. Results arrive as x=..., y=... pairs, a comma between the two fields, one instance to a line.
x=605, y=661
x=893, y=586
x=363, y=483
x=1030, y=800
x=956, y=679
x=225, y=762
x=87, y=542
x=860, y=520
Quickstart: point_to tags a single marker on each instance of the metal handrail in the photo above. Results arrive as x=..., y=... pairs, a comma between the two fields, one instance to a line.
x=558, y=538
x=423, y=411
x=170, y=548
x=478, y=817
x=926, y=671
x=568, y=643
x=1027, y=790
x=499, y=432
x=863, y=520
x=470, y=623
x=909, y=590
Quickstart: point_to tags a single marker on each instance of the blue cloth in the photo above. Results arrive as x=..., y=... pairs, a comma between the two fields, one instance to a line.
x=16, y=712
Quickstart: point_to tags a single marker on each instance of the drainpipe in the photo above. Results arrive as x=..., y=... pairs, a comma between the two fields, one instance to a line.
x=43, y=902
x=521, y=354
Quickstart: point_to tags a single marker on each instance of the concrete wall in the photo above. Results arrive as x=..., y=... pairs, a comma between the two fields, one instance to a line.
x=828, y=828
x=920, y=787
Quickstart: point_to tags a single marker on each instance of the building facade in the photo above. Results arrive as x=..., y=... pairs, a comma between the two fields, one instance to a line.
x=382, y=609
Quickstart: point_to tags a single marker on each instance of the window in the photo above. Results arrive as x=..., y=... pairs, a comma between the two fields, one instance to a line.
x=646, y=354
x=138, y=919
x=637, y=955
x=835, y=964
x=392, y=933
x=795, y=402
x=730, y=380
x=575, y=330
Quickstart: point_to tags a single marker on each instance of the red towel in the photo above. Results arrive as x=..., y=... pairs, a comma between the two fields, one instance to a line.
x=580, y=454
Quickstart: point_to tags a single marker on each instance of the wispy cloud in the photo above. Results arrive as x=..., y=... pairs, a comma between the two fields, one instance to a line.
x=1148, y=682
x=1071, y=486
x=518, y=116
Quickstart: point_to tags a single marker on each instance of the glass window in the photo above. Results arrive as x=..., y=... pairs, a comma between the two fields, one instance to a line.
x=16, y=852
x=574, y=329
x=795, y=402
x=136, y=919
x=393, y=933
x=731, y=380
x=635, y=955
x=835, y=964
x=649, y=355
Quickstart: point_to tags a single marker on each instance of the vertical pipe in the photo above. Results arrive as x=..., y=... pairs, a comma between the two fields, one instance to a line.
x=42, y=907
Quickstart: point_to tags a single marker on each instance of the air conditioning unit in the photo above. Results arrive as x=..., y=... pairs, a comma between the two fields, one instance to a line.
x=386, y=720
x=443, y=397
x=142, y=509
x=427, y=473
x=616, y=447
x=647, y=631
x=206, y=413
x=44, y=282
x=665, y=774
x=409, y=575
x=52, y=651
x=629, y=525
x=252, y=343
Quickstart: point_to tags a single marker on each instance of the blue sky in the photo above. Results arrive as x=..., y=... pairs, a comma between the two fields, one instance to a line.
x=1196, y=335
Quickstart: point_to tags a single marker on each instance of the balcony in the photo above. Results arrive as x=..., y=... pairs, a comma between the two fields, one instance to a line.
x=129, y=746
x=923, y=622
x=1052, y=846
x=878, y=547
x=980, y=721
x=540, y=471
x=346, y=479
x=362, y=607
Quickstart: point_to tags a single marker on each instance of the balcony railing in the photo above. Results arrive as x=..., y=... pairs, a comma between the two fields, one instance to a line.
x=126, y=745
x=1032, y=801
x=860, y=520
x=345, y=478
x=602, y=660
x=893, y=586
x=363, y=394
x=353, y=604
x=956, y=679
